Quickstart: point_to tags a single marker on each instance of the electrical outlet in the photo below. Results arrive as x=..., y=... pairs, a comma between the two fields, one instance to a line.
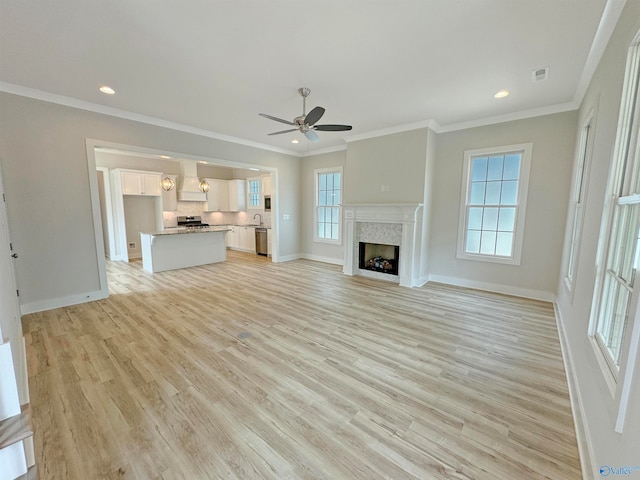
x=132, y=244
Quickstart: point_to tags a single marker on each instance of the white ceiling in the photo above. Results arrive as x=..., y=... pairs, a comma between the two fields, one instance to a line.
x=377, y=65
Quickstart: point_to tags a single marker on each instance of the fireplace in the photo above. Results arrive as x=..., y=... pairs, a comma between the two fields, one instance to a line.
x=379, y=257
x=391, y=228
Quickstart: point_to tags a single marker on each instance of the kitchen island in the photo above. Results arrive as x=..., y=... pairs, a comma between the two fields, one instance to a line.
x=182, y=247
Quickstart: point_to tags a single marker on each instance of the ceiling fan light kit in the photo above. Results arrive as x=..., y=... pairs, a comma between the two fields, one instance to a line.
x=306, y=123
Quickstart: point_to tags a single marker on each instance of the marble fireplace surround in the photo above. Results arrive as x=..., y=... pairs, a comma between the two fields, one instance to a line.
x=386, y=223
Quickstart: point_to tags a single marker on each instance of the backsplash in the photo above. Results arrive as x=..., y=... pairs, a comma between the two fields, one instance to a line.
x=170, y=219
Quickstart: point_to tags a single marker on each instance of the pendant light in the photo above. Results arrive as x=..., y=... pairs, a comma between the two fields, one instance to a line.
x=168, y=184
x=204, y=186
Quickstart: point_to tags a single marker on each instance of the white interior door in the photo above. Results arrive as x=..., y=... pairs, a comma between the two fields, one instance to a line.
x=10, y=323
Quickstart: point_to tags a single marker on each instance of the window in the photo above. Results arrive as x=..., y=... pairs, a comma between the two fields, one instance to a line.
x=620, y=237
x=254, y=193
x=492, y=206
x=328, y=198
x=579, y=191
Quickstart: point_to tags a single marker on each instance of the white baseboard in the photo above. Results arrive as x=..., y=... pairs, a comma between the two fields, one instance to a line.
x=42, y=305
x=319, y=258
x=288, y=258
x=585, y=449
x=494, y=287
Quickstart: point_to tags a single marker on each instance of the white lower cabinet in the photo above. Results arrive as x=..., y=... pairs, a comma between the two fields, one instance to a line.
x=242, y=238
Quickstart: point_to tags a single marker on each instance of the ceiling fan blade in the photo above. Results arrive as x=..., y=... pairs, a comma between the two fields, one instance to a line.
x=314, y=115
x=312, y=136
x=276, y=119
x=332, y=128
x=283, y=131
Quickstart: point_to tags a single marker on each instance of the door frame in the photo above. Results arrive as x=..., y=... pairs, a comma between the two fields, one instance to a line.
x=10, y=317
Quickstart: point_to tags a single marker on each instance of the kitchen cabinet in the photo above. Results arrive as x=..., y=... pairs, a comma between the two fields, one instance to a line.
x=248, y=239
x=237, y=195
x=266, y=185
x=126, y=203
x=218, y=195
x=170, y=197
x=136, y=182
x=242, y=238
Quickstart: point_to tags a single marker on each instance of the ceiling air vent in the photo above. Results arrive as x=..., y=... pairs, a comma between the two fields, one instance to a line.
x=540, y=74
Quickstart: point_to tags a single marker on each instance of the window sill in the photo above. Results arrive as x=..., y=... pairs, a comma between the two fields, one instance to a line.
x=329, y=242
x=489, y=259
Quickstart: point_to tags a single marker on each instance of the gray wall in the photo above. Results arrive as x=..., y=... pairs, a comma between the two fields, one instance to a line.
x=317, y=250
x=553, y=138
x=597, y=408
x=44, y=160
x=396, y=160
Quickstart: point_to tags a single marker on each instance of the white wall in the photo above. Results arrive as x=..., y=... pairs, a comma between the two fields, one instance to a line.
x=598, y=409
x=553, y=142
x=44, y=160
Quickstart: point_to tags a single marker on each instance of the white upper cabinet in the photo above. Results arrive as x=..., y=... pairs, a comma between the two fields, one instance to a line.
x=237, y=196
x=266, y=185
x=217, y=196
x=136, y=182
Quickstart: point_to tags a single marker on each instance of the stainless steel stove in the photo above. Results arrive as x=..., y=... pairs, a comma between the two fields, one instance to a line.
x=194, y=221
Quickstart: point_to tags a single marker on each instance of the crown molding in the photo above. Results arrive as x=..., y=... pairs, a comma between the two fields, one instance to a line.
x=608, y=21
x=429, y=123
x=510, y=117
x=136, y=117
x=323, y=151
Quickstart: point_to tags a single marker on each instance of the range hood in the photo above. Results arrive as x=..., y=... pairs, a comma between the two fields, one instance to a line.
x=189, y=183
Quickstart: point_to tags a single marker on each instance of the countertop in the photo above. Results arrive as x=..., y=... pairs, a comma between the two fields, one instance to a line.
x=183, y=230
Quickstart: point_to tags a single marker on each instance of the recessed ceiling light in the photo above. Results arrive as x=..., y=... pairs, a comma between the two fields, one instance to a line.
x=295, y=141
x=502, y=94
x=107, y=89
x=254, y=169
x=165, y=156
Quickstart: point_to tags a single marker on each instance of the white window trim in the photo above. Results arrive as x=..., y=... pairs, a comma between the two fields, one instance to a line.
x=579, y=191
x=315, y=205
x=523, y=186
x=260, y=205
x=618, y=193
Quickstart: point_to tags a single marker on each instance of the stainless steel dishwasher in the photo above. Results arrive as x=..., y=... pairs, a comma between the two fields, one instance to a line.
x=261, y=241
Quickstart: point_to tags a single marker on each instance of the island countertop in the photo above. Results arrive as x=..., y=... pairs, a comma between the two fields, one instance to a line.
x=181, y=230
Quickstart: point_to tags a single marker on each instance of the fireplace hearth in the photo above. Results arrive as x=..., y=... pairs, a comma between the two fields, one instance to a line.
x=379, y=257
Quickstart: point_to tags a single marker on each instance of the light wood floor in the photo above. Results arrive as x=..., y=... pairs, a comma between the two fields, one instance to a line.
x=256, y=370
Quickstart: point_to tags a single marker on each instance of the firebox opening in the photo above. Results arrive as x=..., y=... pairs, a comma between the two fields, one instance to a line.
x=379, y=257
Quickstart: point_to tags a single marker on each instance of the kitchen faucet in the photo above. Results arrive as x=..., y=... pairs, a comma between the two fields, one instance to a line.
x=258, y=215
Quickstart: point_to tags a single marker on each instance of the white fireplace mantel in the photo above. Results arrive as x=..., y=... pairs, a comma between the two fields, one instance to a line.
x=409, y=215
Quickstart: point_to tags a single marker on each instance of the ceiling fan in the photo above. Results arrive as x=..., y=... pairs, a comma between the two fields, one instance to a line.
x=306, y=122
